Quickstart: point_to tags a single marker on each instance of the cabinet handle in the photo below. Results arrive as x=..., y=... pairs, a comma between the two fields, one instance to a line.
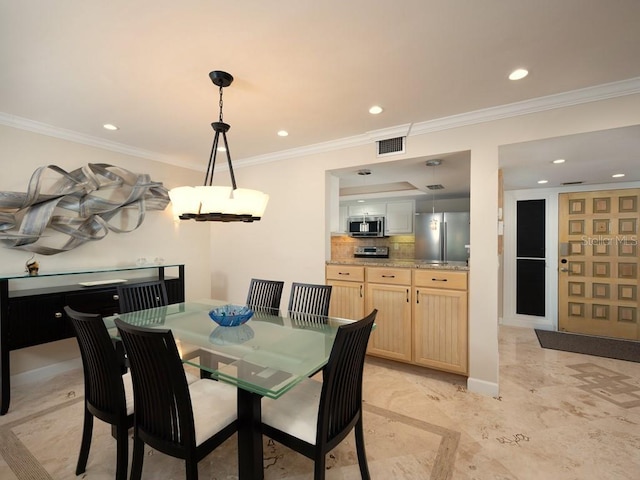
x=438, y=279
x=343, y=273
x=388, y=276
x=116, y=297
x=58, y=315
x=360, y=291
x=407, y=295
x=417, y=296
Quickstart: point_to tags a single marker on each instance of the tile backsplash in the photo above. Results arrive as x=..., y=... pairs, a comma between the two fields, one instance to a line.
x=401, y=247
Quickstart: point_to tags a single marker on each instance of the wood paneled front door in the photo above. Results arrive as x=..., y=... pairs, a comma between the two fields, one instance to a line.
x=598, y=270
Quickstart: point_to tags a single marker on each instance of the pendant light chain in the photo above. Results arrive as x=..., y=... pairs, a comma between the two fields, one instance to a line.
x=220, y=104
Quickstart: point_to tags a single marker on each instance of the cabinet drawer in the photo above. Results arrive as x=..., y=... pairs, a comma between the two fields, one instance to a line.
x=103, y=301
x=440, y=279
x=348, y=273
x=390, y=276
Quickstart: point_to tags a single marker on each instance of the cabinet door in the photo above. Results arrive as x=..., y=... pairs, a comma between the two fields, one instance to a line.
x=400, y=218
x=392, y=335
x=440, y=329
x=347, y=299
x=34, y=320
x=367, y=209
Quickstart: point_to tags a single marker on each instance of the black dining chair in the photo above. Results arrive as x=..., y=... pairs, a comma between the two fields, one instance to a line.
x=311, y=299
x=141, y=296
x=108, y=394
x=314, y=417
x=264, y=295
x=186, y=421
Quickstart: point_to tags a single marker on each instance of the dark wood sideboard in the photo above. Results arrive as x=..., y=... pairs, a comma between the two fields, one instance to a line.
x=34, y=316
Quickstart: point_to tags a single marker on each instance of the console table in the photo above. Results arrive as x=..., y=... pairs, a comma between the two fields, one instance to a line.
x=33, y=314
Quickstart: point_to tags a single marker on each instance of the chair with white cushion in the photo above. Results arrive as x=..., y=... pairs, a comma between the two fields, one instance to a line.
x=314, y=417
x=108, y=394
x=186, y=421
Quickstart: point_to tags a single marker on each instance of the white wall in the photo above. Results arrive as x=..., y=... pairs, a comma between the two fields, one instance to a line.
x=21, y=152
x=290, y=243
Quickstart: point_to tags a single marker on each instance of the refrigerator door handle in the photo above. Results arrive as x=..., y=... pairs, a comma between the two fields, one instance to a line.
x=443, y=241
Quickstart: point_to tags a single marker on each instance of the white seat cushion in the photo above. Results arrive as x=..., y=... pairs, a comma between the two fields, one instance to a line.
x=128, y=392
x=128, y=388
x=296, y=412
x=215, y=406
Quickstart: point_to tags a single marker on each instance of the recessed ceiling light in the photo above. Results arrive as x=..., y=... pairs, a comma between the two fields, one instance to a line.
x=360, y=201
x=543, y=181
x=618, y=175
x=559, y=160
x=110, y=126
x=518, y=74
x=375, y=110
x=283, y=133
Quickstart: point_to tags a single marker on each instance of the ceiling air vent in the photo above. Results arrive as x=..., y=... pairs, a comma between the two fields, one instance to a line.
x=435, y=187
x=573, y=183
x=391, y=146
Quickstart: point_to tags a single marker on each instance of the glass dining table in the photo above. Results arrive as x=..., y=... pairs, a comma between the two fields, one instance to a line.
x=265, y=357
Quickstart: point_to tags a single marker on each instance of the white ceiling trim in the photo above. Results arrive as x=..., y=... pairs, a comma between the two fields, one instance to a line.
x=560, y=100
x=73, y=136
x=550, y=102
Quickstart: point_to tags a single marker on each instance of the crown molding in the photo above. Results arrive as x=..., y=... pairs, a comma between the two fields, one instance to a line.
x=559, y=100
x=76, y=137
x=526, y=107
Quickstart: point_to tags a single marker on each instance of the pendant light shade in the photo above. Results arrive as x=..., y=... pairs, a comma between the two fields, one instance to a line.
x=209, y=203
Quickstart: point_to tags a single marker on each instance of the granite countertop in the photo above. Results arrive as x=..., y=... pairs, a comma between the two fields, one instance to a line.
x=389, y=262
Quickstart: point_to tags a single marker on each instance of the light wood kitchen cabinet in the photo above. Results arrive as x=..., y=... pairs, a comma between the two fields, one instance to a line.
x=389, y=291
x=347, y=292
x=422, y=313
x=399, y=218
x=440, y=320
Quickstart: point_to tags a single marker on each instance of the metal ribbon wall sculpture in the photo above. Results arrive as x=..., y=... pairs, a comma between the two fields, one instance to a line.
x=81, y=206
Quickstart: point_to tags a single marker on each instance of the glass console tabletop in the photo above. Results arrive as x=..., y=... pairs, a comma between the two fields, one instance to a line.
x=268, y=355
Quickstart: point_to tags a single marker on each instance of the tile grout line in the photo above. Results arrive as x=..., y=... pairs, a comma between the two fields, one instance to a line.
x=18, y=457
x=445, y=458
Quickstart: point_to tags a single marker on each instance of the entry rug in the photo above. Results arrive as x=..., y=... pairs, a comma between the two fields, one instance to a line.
x=628, y=350
x=44, y=446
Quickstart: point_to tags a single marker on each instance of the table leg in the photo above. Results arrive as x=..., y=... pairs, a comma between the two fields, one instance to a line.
x=250, y=462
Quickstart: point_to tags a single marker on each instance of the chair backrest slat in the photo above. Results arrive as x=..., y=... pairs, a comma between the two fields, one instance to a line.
x=341, y=397
x=264, y=294
x=141, y=296
x=310, y=299
x=161, y=393
x=102, y=368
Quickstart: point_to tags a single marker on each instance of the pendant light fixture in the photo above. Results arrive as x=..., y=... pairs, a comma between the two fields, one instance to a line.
x=210, y=203
x=434, y=224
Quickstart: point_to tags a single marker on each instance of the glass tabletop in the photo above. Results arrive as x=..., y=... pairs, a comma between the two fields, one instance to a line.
x=268, y=355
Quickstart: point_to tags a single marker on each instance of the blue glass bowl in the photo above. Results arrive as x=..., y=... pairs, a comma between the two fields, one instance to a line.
x=230, y=315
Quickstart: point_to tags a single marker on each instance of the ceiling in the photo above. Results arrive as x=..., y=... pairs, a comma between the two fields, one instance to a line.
x=311, y=68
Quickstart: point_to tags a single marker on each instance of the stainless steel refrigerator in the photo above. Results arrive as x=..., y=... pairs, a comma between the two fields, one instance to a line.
x=441, y=237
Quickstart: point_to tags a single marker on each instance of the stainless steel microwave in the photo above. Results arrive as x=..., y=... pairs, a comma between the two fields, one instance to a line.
x=365, y=226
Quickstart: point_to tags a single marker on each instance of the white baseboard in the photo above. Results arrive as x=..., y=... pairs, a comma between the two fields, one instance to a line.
x=482, y=387
x=45, y=373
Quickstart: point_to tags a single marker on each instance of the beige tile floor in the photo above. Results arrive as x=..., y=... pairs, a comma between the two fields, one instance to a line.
x=558, y=416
